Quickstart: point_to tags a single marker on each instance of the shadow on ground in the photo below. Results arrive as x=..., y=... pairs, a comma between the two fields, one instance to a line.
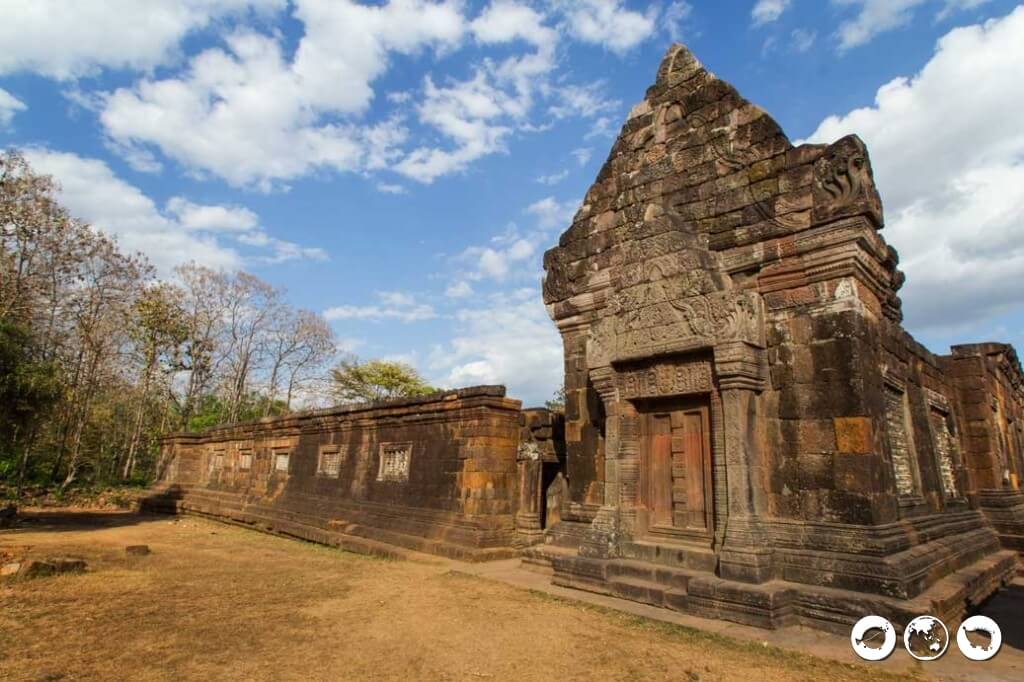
x=1006, y=608
x=64, y=521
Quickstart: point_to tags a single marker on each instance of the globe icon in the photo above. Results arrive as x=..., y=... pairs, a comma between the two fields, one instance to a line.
x=926, y=638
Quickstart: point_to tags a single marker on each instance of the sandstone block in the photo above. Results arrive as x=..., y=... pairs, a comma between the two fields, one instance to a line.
x=854, y=435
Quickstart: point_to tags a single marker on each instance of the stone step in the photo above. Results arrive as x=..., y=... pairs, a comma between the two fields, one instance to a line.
x=638, y=590
x=671, y=578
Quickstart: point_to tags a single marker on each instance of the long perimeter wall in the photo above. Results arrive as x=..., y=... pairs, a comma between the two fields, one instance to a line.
x=435, y=474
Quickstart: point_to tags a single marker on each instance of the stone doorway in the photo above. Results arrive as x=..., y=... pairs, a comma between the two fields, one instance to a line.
x=676, y=474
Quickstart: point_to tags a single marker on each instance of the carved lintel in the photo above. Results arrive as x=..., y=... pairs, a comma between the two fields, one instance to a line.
x=740, y=365
x=666, y=378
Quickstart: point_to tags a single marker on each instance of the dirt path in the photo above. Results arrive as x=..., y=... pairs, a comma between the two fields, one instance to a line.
x=219, y=602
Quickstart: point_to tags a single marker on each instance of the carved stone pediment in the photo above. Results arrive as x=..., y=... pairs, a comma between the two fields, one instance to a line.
x=657, y=326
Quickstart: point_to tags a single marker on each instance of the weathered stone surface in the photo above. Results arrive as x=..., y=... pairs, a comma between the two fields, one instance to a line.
x=748, y=433
x=437, y=473
x=741, y=398
x=39, y=568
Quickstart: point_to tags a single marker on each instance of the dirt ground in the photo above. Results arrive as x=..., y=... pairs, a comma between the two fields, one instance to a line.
x=220, y=602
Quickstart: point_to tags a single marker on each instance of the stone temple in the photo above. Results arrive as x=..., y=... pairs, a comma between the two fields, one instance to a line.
x=749, y=433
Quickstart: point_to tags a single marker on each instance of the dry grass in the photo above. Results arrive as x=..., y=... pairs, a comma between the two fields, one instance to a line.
x=219, y=602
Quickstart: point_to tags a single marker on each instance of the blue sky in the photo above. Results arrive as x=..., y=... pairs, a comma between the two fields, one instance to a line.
x=401, y=166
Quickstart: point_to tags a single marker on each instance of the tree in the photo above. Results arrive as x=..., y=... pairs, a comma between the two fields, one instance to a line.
x=358, y=382
x=299, y=344
x=251, y=306
x=204, y=313
x=158, y=329
x=98, y=358
x=29, y=388
x=557, y=402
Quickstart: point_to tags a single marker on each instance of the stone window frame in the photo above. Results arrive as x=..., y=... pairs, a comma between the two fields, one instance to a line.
x=329, y=449
x=394, y=447
x=217, y=458
x=897, y=384
x=276, y=454
x=243, y=464
x=939, y=405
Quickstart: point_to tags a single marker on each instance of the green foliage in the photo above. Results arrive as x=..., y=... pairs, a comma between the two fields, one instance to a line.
x=358, y=382
x=29, y=388
x=213, y=410
x=557, y=402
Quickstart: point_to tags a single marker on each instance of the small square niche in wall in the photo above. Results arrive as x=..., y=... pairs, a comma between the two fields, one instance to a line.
x=394, y=462
x=281, y=460
x=330, y=461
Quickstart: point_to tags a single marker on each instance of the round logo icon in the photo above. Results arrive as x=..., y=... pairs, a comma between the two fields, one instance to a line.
x=982, y=624
x=867, y=647
x=926, y=638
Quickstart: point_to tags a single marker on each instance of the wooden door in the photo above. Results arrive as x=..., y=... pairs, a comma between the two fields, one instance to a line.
x=660, y=478
x=677, y=465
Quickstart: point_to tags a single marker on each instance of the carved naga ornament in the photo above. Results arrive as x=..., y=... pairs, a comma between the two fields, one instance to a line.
x=844, y=184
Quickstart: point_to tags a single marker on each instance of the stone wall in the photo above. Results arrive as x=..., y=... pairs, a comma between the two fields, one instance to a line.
x=748, y=427
x=989, y=387
x=540, y=458
x=436, y=474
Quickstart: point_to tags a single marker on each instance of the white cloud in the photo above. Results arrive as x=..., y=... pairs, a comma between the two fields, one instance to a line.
x=9, y=105
x=767, y=11
x=956, y=5
x=582, y=155
x=505, y=20
x=249, y=115
x=878, y=16
x=608, y=23
x=602, y=127
x=460, y=289
x=396, y=298
x=553, y=178
x=213, y=218
x=948, y=153
x=91, y=191
x=803, y=39
x=674, y=18
x=511, y=341
x=185, y=231
x=66, y=40
x=478, y=114
x=874, y=17
x=388, y=188
x=258, y=110
x=465, y=112
x=498, y=262
x=552, y=213
x=514, y=254
x=585, y=101
x=952, y=6
x=394, y=305
x=280, y=250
